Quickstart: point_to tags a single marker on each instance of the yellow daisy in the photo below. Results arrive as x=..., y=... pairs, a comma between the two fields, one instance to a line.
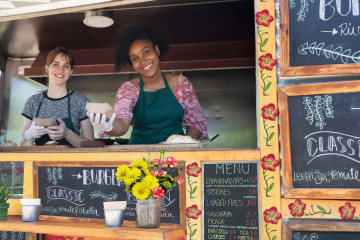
x=133, y=174
x=151, y=181
x=122, y=172
x=141, y=165
x=128, y=188
x=141, y=191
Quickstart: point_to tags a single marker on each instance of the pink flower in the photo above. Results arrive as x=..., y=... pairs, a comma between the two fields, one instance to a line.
x=272, y=215
x=179, y=180
x=193, y=212
x=269, y=162
x=263, y=18
x=297, y=208
x=193, y=169
x=155, y=173
x=347, y=211
x=158, y=173
x=156, y=162
x=269, y=112
x=267, y=62
x=171, y=162
x=157, y=192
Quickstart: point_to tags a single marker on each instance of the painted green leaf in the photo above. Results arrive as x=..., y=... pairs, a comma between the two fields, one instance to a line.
x=194, y=190
x=265, y=41
x=271, y=187
x=271, y=136
x=194, y=232
x=268, y=86
x=321, y=208
x=274, y=238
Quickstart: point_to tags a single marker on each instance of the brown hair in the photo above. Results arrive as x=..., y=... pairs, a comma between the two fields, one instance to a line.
x=63, y=50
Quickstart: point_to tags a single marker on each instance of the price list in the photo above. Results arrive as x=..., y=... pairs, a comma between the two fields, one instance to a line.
x=230, y=201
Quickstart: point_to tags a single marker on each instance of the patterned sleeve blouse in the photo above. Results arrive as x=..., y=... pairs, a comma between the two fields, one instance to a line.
x=127, y=95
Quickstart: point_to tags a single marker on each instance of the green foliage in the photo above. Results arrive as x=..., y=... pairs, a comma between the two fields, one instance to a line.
x=6, y=191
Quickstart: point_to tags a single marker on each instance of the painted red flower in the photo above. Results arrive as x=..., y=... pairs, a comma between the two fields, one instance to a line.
x=269, y=162
x=272, y=215
x=347, y=211
x=193, y=212
x=269, y=112
x=263, y=18
x=267, y=62
x=193, y=169
x=297, y=208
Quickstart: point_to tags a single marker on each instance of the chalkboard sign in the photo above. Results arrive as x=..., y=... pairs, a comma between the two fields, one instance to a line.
x=325, y=235
x=311, y=230
x=5, y=235
x=230, y=200
x=78, y=190
x=315, y=34
x=320, y=135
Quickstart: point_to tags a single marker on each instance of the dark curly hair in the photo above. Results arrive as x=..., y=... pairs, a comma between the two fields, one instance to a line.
x=133, y=33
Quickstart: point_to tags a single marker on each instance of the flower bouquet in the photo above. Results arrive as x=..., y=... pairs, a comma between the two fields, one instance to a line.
x=149, y=180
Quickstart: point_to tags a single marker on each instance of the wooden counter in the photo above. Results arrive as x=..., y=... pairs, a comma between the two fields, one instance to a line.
x=127, y=231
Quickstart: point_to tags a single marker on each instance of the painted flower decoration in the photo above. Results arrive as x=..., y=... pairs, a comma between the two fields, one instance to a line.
x=347, y=211
x=297, y=208
x=269, y=162
x=193, y=212
x=267, y=62
x=272, y=215
x=263, y=18
x=269, y=112
x=193, y=169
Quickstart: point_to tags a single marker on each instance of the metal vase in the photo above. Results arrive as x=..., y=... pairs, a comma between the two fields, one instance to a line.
x=148, y=213
x=30, y=213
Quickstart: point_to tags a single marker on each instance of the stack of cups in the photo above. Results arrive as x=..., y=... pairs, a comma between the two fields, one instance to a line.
x=30, y=209
x=114, y=213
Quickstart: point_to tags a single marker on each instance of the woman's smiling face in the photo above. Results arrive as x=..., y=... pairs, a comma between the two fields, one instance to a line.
x=59, y=69
x=144, y=57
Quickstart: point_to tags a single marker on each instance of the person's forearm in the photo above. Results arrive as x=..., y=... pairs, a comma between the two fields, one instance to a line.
x=193, y=132
x=119, y=128
x=74, y=139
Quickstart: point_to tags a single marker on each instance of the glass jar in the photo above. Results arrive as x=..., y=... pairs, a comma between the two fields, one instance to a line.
x=148, y=213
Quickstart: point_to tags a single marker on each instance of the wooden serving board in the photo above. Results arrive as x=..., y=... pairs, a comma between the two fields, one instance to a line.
x=155, y=147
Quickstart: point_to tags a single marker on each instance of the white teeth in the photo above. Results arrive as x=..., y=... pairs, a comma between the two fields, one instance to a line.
x=147, y=67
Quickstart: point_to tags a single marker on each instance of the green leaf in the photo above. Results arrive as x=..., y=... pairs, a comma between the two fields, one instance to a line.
x=194, y=190
x=271, y=187
x=274, y=238
x=271, y=136
x=194, y=232
x=321, y=208
x=267, y=86
x=265, y=41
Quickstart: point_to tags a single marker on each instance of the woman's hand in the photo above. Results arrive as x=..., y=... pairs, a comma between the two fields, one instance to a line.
x=34, y=132
x=101, y=123
x=57, y=132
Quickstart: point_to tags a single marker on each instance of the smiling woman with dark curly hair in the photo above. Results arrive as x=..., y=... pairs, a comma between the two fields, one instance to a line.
x=157, y=104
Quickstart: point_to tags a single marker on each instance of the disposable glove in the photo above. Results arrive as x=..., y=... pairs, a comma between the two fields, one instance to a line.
x=99, y=121
x=34, y=132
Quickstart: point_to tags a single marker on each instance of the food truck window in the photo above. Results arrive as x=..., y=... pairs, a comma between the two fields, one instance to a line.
x=226, y=94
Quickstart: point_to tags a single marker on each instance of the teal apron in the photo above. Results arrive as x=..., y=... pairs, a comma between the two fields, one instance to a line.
x=157, y=115
x=68, y=122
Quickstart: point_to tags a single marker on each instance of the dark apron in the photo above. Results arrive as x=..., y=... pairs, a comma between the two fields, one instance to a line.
x=157, y=115
x=68, y=122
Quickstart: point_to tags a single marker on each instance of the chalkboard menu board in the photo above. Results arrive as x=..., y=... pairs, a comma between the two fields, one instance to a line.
x=79, y=192
x=5, y=235
x=320, y=230
x=321, y=32
x=297, y=235
x=230, y=200
x=320, y=135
